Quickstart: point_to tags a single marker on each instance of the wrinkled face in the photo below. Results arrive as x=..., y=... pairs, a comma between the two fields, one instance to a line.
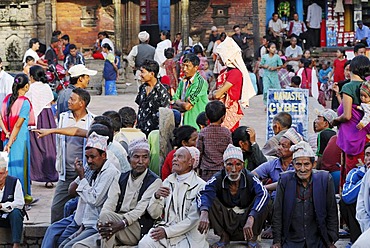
x=192, y=140
x=94, y=159
x=295, y=17
x=189, y=69
x=73, y=52
x=303, y=168
x=234, y=167
x=367, y=159
x=237, y=31
x=182, y=161
x=139, y=161
x=75, y=102
x=3, y=175
x=275, y=127
x=146, y=76
x=365, y=98
x=347, y=72
x=320, y=123
x=283, y=148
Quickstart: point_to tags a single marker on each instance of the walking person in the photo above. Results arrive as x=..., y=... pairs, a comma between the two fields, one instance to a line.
x=43, y=154
x=17, y=114
x=110, y=70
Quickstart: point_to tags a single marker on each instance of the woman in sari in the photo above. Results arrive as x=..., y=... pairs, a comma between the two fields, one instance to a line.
x=43, y=150
x=233, y=87
x=17, y=114
x=350, y=139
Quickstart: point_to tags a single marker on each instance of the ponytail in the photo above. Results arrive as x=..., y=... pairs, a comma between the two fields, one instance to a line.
x=20, y=81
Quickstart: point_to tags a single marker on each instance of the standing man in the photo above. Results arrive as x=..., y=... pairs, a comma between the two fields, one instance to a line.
x=69, y=148
x=66, y=44
x=293, y=54
x=233, y=202
x=305, y=209
x=50, y=55
x=241, y=39
x=6, y=82
x=362, y=34
x=314, y=17
x=151, y=96
x=213, y=37
x=79, y=78
x=177, y=198
x=139, y=54
x=74, y=57
x=11, y=205
x=191, y=96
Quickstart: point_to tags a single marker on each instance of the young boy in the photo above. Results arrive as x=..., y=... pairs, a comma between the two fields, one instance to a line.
x=30, y=61
x=213, y=140
x=295, y=82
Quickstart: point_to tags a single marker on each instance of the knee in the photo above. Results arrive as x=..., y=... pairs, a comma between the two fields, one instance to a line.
x=16, y=215
x=147, y=241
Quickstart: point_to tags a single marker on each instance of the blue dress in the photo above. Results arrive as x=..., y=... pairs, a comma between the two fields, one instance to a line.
x=270, y=78
x=19, y=155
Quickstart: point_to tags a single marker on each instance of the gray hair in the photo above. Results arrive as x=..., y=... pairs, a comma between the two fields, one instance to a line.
x=3, y=163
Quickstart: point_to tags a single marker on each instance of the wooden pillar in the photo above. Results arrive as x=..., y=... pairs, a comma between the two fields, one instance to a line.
x=185, y=22
x=118, y=24
x=256, y=27
x=48, y=22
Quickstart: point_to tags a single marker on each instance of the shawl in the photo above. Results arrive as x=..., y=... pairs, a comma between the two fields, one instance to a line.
x=230, y=53
x=9, y=121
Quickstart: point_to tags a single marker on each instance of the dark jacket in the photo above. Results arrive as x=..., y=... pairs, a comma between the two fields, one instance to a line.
x=324, y=204
x=252, y=193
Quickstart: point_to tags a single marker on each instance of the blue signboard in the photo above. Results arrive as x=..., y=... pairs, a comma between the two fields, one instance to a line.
x=293, y=101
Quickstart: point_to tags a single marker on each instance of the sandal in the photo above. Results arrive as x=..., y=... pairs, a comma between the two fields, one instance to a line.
x=254, y=244
x=219, y=244
x=49, y=185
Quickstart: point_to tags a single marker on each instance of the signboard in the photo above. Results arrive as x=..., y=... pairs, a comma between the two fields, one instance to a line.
x=292, y=101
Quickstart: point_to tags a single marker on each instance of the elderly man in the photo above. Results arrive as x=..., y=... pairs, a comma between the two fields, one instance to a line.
x=280, y=124
x=191, y=96
x=305, y=209
x=177, y=198
x=124, y=219
x=11, y=205
x=233, y=202
x=324, y=124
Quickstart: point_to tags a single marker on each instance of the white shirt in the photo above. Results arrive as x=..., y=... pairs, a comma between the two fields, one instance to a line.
x=291, y=52
x=276, y=26
x=18, y=199
x=159, y=54
x=31, y=53
x=314, y=15
x=297, y=27
x=6, y=84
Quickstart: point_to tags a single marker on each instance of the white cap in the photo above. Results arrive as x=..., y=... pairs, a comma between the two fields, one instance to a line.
x=213, y=28
x=143, y=36
x=78, y=70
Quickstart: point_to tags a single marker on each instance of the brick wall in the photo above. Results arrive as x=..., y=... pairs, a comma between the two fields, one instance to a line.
x=68, y=21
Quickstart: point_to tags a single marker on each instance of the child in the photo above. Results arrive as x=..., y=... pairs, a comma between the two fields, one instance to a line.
x=284, y=76
x=209, y=75
x=338, y=65
x=109, y=71
x=253, y=77
x=308, y=78
x=30, y=61
x=271, y=62
x=202, y=120
x=324, y=75
x=117, y=61
x=365, y=105
x=213, y=140
x=295, y=82
x=170, y=66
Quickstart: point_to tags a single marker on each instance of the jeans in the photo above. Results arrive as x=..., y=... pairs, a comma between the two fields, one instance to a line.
x=76, y=237
x=59, y=231
x=14, y=220
x=70, y=207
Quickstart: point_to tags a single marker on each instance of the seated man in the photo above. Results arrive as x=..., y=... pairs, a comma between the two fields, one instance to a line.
x=11, y=205
x=177, y=200
x=305, y=209
x=233, y=202
x=280, y=124
x=124, y=219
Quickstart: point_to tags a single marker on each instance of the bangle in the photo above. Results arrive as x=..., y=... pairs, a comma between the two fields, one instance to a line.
x=124, y=223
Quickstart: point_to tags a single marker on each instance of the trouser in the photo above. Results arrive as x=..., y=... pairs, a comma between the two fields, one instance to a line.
x=348, y=213
x=362, y=241
x=314, y=37
x=70, y=207
x=61, y=196
x=59, y=231
x=77, y=237
x=14, y=220
x=224, y=220
x=129, y=236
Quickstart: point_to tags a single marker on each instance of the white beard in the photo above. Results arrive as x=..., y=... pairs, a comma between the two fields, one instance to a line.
x=234, y=180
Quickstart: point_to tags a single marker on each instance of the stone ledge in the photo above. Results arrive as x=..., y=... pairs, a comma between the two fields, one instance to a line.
x=32, y=236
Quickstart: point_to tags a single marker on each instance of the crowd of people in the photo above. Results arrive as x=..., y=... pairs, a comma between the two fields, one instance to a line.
x=182, y=164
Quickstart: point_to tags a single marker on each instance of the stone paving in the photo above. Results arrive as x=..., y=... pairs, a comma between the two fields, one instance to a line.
x=254, y=116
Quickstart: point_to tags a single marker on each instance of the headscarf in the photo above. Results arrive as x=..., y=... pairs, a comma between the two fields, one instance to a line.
x=195, y=154
x=231, y=55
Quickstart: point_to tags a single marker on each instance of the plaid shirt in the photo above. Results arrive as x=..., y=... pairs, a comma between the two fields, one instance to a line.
x=284, y=78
